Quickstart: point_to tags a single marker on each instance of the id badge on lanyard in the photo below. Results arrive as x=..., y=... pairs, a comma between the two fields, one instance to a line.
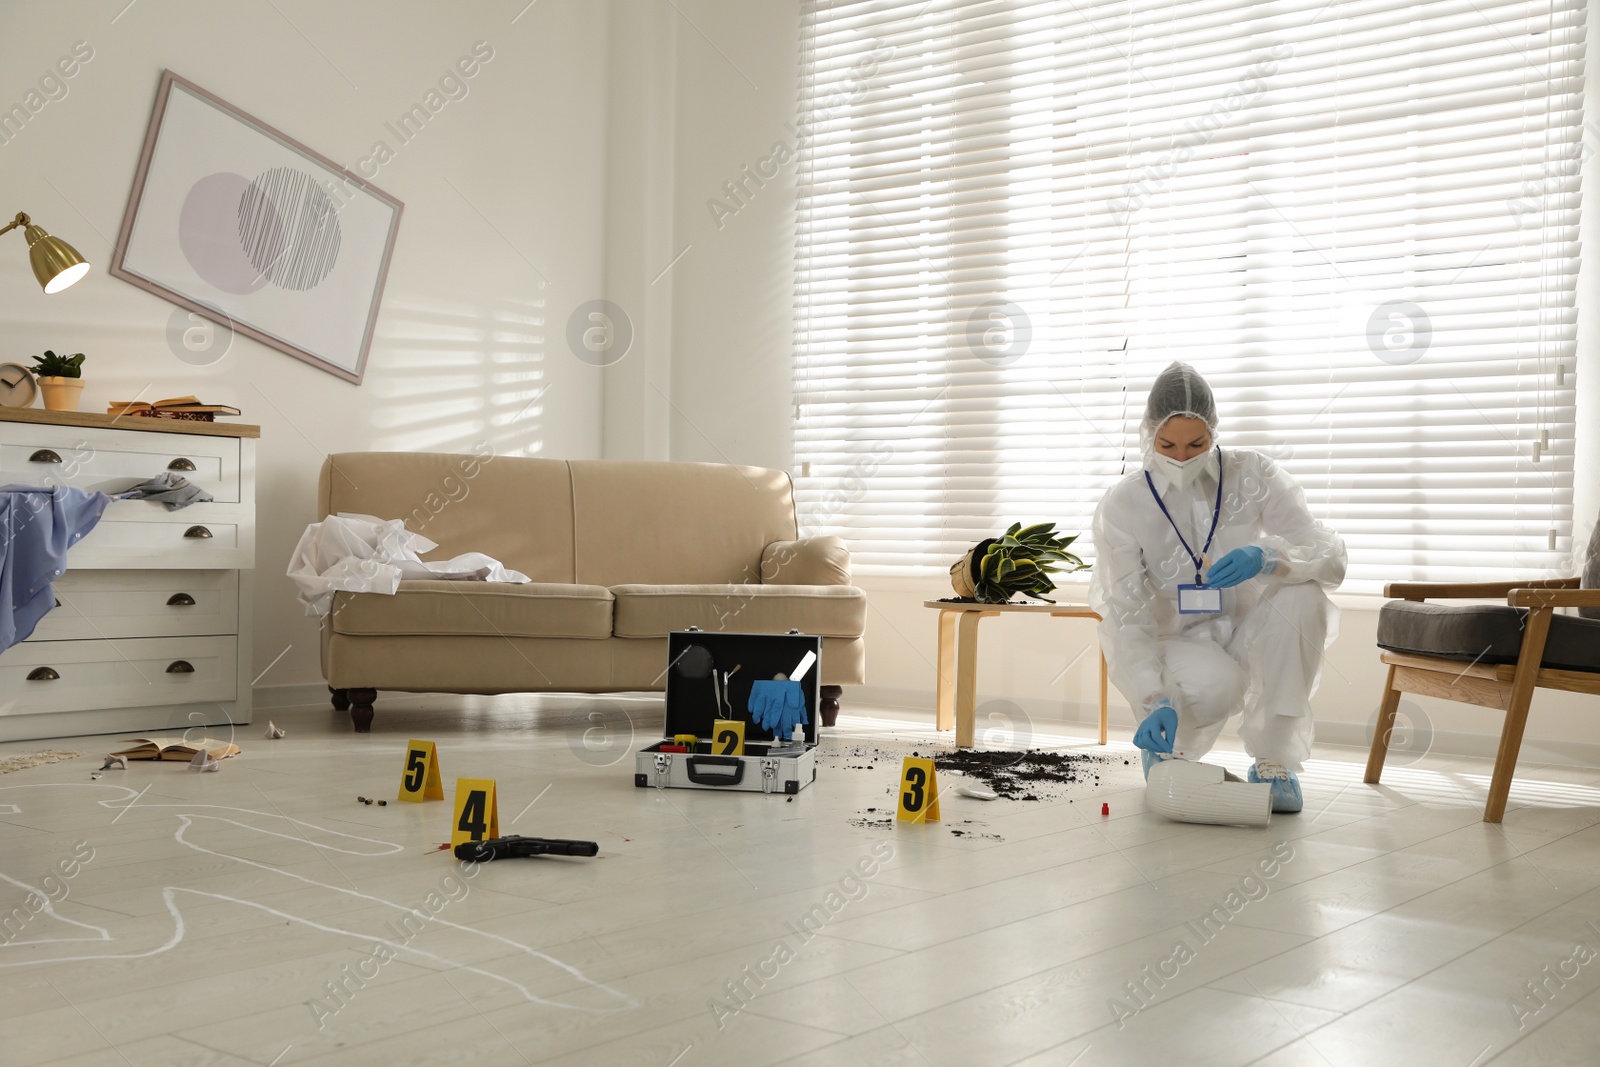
x=1199, y=598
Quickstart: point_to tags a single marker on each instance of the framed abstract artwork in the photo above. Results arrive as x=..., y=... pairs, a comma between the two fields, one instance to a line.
x=246, y=226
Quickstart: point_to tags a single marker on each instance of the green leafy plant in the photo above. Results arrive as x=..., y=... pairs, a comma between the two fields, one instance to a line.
x=1019, y=561
x=51, y=365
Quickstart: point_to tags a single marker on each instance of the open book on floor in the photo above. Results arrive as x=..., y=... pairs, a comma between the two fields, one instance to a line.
x=176, y=748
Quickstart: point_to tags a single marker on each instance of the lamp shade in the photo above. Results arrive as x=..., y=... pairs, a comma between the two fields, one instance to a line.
x=55, y=263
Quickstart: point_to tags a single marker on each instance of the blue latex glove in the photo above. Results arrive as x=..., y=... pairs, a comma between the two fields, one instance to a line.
x=1240, y=565
x=1158, y=730
x=760, y=704
x=794, y=711
x=777, y=707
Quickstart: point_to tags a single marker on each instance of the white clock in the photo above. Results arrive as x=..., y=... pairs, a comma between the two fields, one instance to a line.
x=17, y=386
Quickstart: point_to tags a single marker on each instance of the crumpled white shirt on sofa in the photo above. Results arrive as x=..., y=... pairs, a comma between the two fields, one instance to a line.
x=366, y=554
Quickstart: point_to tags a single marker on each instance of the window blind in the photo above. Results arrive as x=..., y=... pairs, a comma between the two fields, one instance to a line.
x=1358, y=220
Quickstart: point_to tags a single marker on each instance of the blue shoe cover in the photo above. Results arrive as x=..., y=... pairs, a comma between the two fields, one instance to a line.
x=1286, y=797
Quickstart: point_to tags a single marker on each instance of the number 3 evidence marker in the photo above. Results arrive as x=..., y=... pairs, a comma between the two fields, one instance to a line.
x=919, y=791
x=419, y=778
x=477, y=811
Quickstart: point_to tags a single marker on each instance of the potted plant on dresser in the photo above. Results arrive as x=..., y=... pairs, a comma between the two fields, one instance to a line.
x=60, y=380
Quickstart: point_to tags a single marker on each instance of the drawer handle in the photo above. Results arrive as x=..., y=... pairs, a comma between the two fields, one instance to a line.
x=43, y=674
x=197, y=533
x=180, y=600
x=181, y=464
x=44, y=455
x=180, y=666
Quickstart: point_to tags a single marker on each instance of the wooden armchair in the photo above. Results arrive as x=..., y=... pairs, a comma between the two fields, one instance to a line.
x=1434, y=650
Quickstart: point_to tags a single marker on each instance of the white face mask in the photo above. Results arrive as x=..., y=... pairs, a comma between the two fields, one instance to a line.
x=1180, y=473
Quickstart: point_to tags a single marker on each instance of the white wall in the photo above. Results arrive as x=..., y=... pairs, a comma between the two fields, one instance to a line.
x=501, y=235
x=709, y=377
x=733, y=318
x=641, y=145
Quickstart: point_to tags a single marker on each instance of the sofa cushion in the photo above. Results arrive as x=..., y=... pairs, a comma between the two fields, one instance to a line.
x=675, y=523
x=808, y=561
x=1484, y=633
x=492, y=609
x=516, y=509
x=655, y=610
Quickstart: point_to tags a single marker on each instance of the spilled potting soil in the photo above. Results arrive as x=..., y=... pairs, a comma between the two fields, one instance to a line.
x=1034, y=774
x=1031, y=775
x=1022, y=775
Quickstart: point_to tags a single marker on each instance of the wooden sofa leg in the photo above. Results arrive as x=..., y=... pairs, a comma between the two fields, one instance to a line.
x=829, y=695
x=341, y=698
x=361, y=709
x=1383, y=730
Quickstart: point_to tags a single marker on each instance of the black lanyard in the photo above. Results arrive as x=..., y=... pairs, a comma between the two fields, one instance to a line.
x=1215, y=516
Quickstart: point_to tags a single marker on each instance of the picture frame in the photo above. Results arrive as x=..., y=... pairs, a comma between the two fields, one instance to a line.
x=244, y=225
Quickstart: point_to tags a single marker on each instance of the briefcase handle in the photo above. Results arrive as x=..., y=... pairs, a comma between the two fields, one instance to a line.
x=692, y=764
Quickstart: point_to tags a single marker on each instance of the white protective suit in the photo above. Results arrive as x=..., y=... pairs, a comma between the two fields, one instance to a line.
x=1262, y=655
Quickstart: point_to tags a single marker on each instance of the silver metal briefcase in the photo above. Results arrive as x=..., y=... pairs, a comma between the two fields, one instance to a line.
x=708, y=678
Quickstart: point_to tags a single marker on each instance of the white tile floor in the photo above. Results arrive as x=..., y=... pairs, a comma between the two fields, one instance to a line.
x=1396, y=927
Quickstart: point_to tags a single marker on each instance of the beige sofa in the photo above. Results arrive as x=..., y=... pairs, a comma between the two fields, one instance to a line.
x=619, y=554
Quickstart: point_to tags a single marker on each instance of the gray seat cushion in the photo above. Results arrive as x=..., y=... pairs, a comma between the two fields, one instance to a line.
x=1485, y=633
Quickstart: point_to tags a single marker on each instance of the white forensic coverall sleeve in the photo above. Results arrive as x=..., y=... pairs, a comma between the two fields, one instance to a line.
x=1121, y=593
x=1299, y=547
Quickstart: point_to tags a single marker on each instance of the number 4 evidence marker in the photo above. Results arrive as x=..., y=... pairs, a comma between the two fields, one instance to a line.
x=477, y=811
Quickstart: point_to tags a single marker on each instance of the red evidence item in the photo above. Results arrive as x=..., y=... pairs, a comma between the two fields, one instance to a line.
x=673, y=748
x=1105, y=809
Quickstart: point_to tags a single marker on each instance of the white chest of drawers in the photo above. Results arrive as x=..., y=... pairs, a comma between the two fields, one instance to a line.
x=152, y=629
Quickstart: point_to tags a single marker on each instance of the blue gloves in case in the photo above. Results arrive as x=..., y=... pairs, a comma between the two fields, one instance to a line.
x=777, y=707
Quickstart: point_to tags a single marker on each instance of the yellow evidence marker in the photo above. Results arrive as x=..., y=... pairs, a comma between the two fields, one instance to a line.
x=919, y=791
x=419, y=778
x=477, y=812
x=727, y=737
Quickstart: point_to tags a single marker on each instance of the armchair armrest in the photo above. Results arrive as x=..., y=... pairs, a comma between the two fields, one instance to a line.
x=1526, y=597
x=808, y=561
x=1470, y=590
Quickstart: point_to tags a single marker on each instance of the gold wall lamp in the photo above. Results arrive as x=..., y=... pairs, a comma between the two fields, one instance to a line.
x=55, y=263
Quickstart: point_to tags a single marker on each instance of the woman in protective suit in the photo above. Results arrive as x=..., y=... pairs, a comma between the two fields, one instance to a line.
x=1210, y=578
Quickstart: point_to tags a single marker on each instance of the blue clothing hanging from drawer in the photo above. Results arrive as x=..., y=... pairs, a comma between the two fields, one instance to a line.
x=38, y=524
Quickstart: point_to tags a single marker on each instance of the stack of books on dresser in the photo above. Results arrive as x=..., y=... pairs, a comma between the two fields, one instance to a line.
x=178, y=407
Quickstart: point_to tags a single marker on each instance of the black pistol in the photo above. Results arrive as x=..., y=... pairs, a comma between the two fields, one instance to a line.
x=499, y=848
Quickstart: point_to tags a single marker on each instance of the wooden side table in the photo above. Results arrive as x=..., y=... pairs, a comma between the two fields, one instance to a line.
x=957, y=682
